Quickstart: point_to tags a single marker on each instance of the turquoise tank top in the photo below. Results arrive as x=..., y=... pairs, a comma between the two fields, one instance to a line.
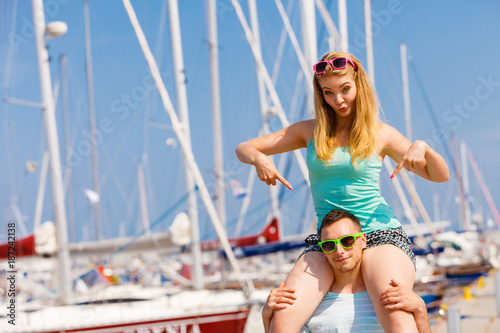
x=339, y=185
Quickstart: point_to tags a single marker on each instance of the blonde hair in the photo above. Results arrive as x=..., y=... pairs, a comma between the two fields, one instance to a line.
x=365, y=120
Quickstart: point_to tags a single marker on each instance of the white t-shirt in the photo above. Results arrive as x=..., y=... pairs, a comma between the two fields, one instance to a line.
x=344, y=313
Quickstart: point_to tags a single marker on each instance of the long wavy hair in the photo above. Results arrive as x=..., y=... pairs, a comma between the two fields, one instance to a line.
x=365, y=121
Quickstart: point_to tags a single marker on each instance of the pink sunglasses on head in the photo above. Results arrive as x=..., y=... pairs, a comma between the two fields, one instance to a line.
x=337, y=63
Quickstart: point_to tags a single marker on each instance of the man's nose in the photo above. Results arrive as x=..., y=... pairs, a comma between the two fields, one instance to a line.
x=339, y=249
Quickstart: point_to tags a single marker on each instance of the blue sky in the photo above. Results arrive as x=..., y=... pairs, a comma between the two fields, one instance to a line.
x=454, y=49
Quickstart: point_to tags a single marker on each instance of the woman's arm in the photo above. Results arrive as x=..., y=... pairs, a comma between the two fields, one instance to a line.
x=256, y=151
x=417, y=157
x=401, y=297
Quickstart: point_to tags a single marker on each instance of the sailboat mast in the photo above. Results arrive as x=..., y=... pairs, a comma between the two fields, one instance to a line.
x=342, y=6
x=334, y=38
x=369, y=41
x=269, y=84
x=64, y=264
x=186, y=147
x=306, y=68
x=460, y=184
x=90, y=91
x=406, y=90
x=67, y=141
x=406, y=100
x=408, y=211
x=484, y=188
x=465, y=184
x=264, y=107
x=387, y=163
x=41, y=191
x=220, y=196
x=310, y=45
x=143, y=200
x=182, y=106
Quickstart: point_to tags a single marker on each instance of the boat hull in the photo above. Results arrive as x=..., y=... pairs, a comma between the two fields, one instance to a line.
x=231, y=322
x=183, y=312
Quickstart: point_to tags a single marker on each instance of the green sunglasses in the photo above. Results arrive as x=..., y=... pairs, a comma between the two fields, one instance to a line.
x=347, y=242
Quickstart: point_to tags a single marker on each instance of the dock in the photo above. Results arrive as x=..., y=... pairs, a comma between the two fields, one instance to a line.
x=472, y=308
x=475, y=310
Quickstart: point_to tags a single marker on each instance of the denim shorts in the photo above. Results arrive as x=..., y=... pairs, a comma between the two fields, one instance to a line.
x=396, y=237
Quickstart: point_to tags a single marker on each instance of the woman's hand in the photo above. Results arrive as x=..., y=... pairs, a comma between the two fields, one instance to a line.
x=417, y=157
x=256, y=151
x=414, y=158
x=278, y=299
x=267, y=172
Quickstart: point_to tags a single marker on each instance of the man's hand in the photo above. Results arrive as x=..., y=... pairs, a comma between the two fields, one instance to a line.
x=400, y=297
x=278, y=299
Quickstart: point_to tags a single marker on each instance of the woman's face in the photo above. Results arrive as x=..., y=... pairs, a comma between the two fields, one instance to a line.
x=340, y=93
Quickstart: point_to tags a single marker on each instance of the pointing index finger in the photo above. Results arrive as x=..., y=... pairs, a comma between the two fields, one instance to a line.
x=284, y=181
x=398, y=168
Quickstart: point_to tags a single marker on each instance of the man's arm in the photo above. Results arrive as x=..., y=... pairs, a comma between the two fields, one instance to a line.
x=403, y=298
x=278, y=299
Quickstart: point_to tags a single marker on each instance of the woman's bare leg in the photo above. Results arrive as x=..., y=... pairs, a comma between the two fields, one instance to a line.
x=379, y=265
x=311, y=277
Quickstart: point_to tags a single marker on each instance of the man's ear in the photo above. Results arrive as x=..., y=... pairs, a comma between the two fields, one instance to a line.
x=363, y=240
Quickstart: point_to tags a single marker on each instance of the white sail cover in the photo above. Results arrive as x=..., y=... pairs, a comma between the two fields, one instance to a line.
x=45, y=239
x=181, y=230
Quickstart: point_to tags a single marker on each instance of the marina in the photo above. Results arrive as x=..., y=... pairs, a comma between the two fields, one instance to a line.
x=475, y=309
x=125, y=207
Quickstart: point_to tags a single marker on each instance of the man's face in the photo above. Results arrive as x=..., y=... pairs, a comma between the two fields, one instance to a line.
x=344, y=260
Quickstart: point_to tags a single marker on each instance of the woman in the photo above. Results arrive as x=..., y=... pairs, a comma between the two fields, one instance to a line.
x=346, y=145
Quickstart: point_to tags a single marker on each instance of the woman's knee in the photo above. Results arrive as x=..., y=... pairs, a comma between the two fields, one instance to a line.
x=311, y=278
x=312, y=269
x=383, y=263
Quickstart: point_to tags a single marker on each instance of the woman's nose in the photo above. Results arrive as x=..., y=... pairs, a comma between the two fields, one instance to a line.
x=339, y=99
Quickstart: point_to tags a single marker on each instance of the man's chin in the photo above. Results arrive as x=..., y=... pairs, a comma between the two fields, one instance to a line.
x=343, y=267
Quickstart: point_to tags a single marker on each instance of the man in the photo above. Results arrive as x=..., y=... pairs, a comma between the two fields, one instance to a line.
x=347, y=307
